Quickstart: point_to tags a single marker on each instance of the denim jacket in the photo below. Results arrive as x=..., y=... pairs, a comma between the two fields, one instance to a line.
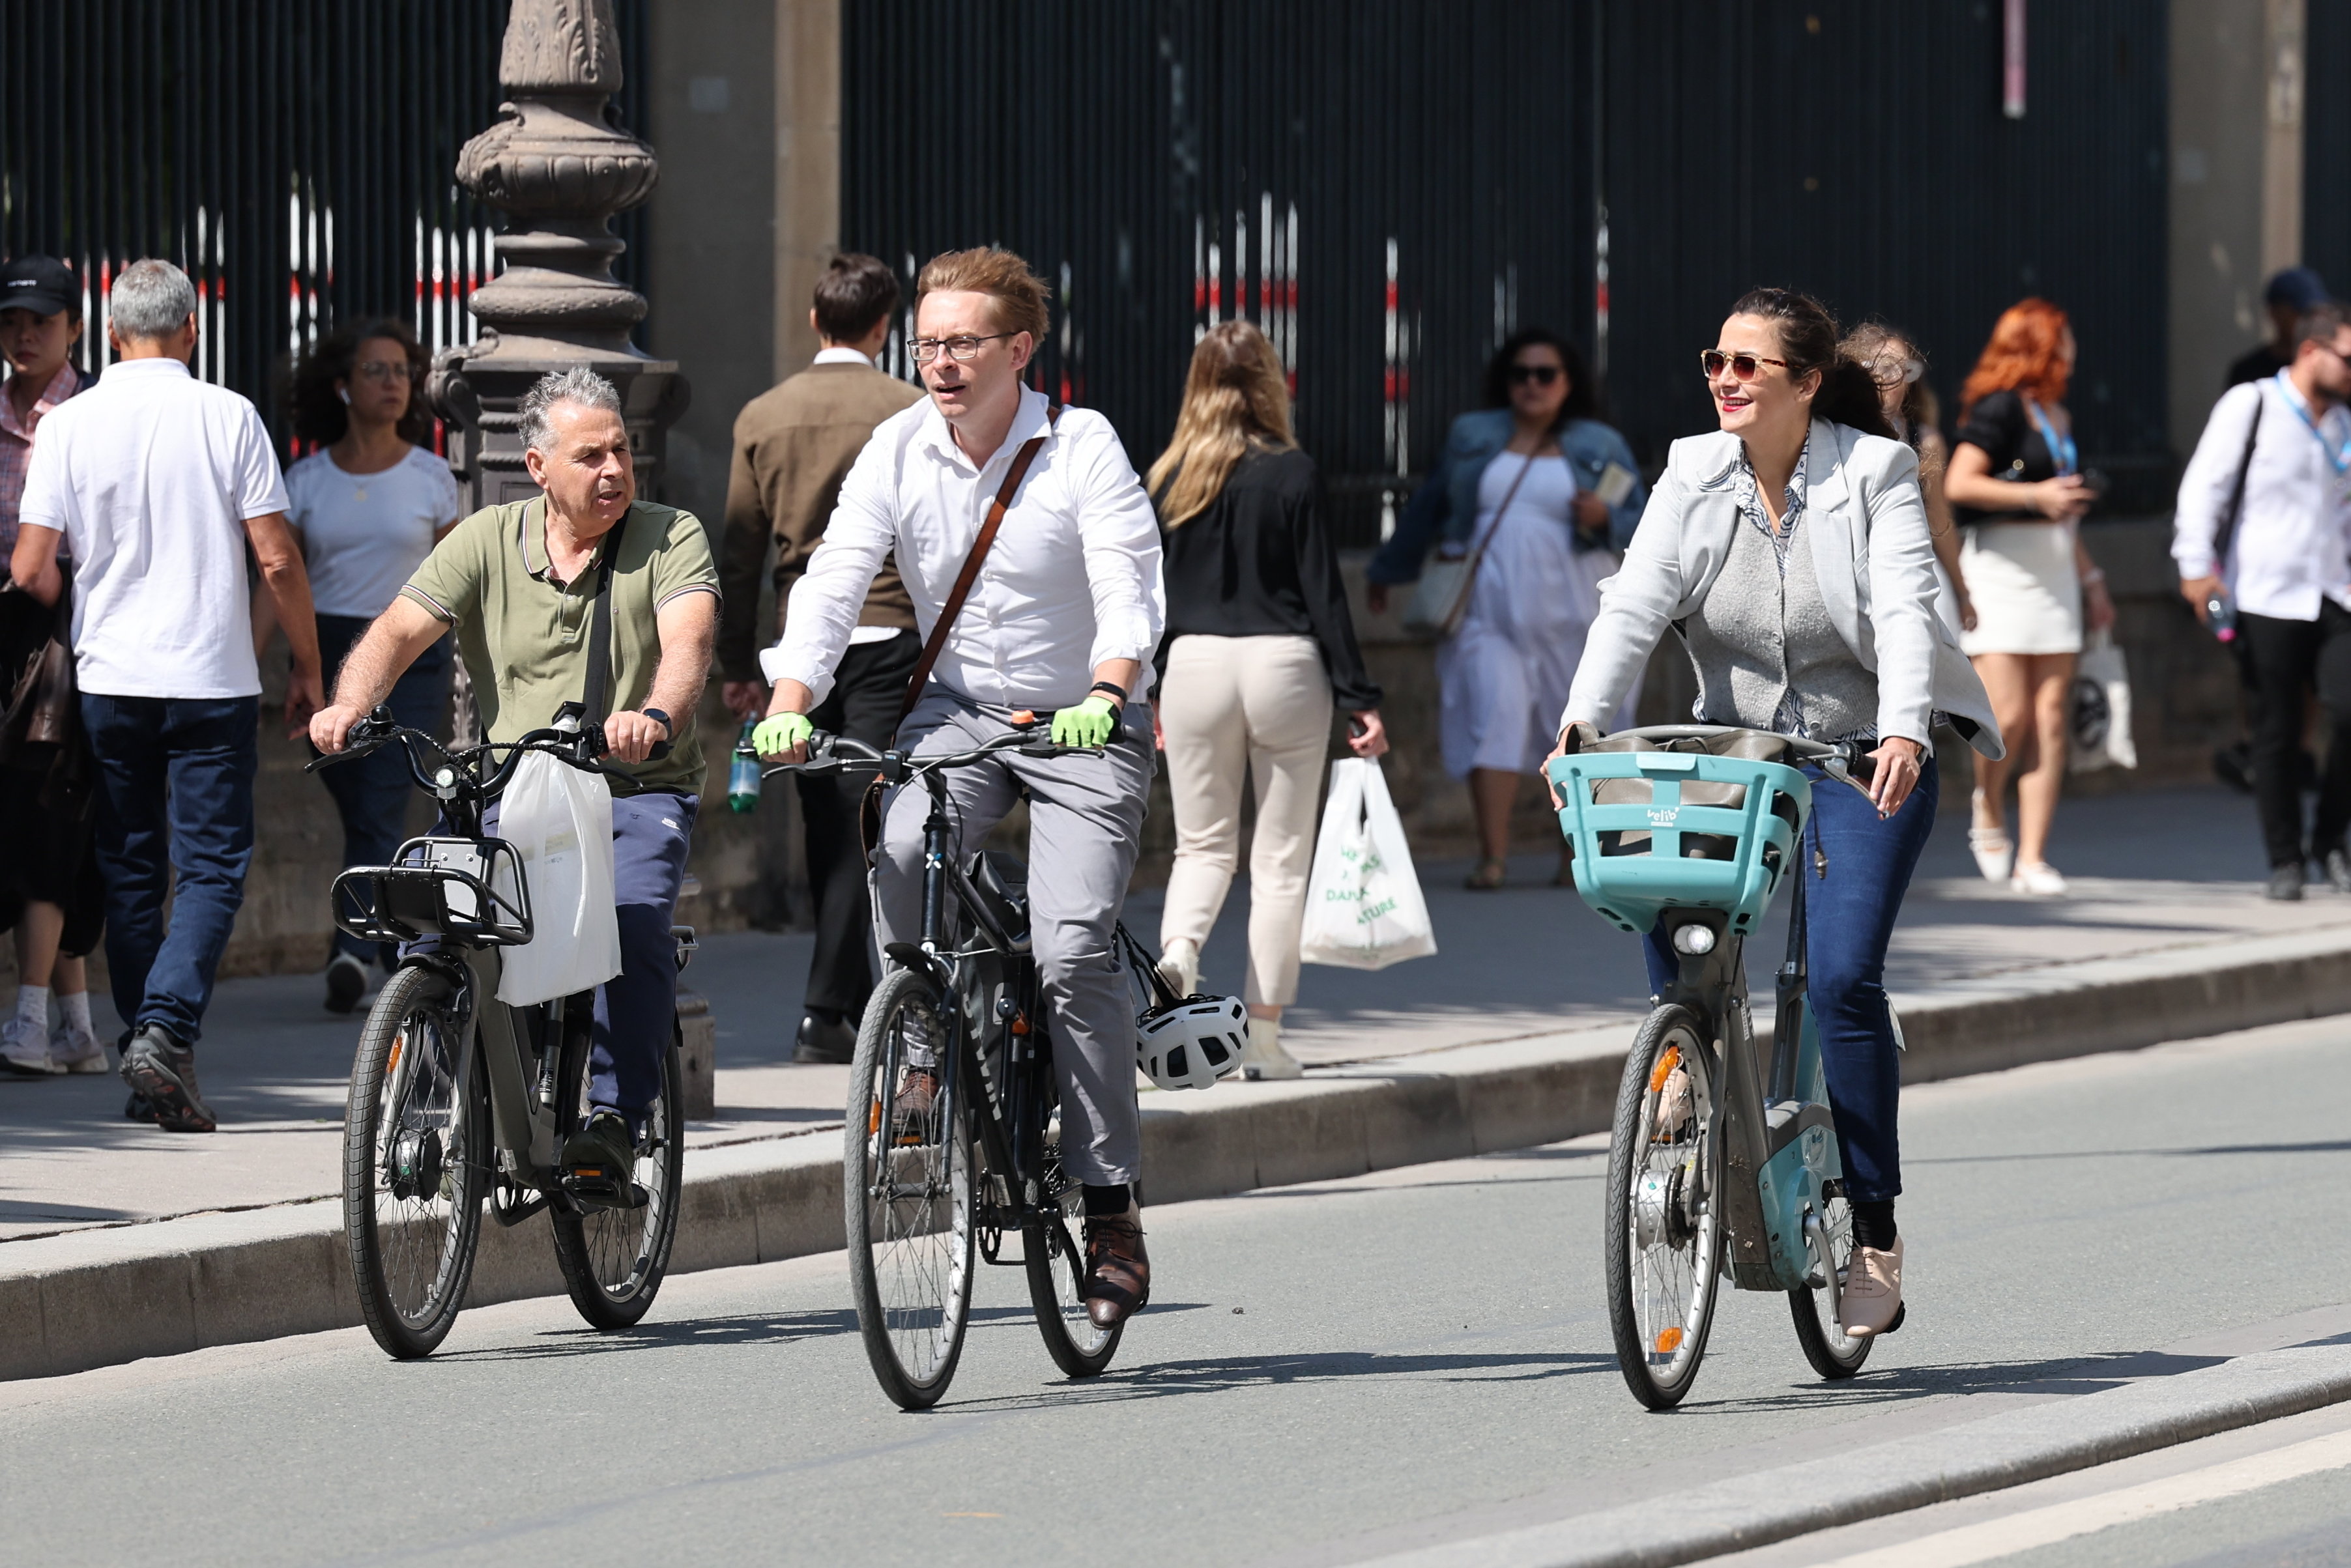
x=1446, y=505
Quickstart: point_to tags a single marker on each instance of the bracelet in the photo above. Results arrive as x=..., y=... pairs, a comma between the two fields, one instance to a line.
x=1114, y=693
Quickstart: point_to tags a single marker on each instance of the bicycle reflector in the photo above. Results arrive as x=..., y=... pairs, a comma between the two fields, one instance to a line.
x=1191, y=1044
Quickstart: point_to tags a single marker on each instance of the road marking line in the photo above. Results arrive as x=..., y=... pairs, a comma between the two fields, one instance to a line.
x=2086, y=1516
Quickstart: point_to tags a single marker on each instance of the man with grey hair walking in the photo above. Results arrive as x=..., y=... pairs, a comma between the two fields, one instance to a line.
x=519, y=584
x=158, y=482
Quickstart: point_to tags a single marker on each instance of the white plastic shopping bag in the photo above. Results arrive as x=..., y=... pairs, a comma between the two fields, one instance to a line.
x=2101, y=709
x=559, y=821
x=1364, y=908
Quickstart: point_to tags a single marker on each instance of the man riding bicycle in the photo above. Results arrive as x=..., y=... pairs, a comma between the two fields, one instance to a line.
x=519, y=582
x=1059, y=612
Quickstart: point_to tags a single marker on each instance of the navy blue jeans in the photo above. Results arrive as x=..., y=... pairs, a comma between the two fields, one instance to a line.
x=174, y=794
x=371, y=794
x=1850, y=908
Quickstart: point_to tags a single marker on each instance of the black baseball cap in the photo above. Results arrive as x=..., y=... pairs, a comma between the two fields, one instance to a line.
x=2297, y=288
x=42, y=285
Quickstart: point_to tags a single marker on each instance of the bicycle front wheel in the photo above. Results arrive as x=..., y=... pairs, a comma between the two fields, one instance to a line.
x=1663, y=1237
x=415, y=1159
x=1834, y=1355
x=907, y=1195
x=1055, y=1261
x=613, y=1259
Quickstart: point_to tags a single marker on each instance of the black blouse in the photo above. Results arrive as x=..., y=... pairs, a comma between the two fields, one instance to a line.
x=2005, y=430
x=1256, y=562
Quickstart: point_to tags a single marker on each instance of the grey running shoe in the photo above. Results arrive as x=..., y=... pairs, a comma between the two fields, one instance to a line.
x=164, y=1071
x=2285, y=883
x=2338, y=870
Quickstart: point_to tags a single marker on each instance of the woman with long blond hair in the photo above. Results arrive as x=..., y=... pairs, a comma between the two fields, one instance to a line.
x=2016, y=481
x=1259, y=648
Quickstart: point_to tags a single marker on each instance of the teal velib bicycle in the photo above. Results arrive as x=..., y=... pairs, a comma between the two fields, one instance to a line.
x=1715, y=1159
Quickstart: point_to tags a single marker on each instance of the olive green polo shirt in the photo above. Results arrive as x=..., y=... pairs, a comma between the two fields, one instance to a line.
x=524, y=635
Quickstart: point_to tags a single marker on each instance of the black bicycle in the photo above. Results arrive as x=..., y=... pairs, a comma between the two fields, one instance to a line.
x=951, y=1142
x=457, y=1096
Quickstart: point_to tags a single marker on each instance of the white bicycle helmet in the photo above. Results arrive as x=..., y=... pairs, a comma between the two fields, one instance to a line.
x=1191, y=1044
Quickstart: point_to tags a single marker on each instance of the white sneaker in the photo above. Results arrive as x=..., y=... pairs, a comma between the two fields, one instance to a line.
x=24, y=1051
x=1179, y=966
x=1263, y=1057
x=2039, y=880
x=77, y=1050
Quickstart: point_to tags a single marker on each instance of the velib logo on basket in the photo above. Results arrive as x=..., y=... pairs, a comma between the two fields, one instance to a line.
x=1663, y=815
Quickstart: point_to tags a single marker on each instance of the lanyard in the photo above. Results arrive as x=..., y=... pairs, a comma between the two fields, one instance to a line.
x=2062, y=449
x=2339, y=457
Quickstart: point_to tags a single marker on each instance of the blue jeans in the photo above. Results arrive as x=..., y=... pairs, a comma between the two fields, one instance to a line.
x=174, y=794
x=1849, y=912
x=371, y=794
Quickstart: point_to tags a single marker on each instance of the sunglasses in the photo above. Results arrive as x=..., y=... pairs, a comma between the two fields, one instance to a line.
x=1744, y=366
x=1541, y=375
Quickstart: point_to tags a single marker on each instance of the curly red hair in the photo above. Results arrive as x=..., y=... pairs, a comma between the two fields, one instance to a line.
x=2022, y=357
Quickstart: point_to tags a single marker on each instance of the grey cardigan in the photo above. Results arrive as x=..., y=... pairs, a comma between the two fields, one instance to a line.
x=1867, y=522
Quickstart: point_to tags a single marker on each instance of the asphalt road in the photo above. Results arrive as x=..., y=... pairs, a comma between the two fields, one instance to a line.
x=1331, y=1372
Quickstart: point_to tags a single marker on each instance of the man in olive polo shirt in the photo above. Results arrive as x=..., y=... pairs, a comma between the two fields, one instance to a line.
x=517, y=583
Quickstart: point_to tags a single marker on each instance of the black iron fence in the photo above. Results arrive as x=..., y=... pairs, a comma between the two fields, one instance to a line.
x=295, y=156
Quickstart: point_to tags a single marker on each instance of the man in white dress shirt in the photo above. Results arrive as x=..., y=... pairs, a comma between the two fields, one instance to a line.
x=1062, y=615
x=2264, y=520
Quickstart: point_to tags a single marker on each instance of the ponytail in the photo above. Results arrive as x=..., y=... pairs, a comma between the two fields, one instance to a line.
x=1808, y=341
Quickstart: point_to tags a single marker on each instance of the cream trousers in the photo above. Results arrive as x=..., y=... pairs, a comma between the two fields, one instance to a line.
x=1234, y=707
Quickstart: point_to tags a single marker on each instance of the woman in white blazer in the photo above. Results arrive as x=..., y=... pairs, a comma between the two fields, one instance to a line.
x=1790, y=552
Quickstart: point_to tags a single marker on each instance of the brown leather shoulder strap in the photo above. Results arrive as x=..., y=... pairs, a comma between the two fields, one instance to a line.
x=971, y=563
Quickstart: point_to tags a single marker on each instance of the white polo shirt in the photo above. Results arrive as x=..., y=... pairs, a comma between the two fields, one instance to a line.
x=150, y=475
x=1072, y=581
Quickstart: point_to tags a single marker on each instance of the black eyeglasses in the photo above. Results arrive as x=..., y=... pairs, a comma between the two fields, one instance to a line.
x=1744, y=366
x=386, y=370
x=965, y=349
x=1541, y=375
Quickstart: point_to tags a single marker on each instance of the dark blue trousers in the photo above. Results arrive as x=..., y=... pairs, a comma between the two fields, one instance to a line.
x=175, y=794
x=1850, y=908
x=370, y=793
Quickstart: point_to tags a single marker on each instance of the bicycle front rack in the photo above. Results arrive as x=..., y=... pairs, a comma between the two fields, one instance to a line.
x=470, y=889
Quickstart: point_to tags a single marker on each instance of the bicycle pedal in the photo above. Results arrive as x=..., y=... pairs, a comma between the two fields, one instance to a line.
x=589, y=1188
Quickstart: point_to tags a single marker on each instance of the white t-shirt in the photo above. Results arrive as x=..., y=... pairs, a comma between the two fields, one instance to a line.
x=364, y=535
x=150, y=476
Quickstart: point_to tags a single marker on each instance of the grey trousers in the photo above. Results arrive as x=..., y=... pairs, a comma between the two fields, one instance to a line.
x=1085, y=824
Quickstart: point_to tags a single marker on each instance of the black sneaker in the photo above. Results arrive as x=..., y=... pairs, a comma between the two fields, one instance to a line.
x=346, y=983
x=2285, y=883
x=822, y=1043
x=164, y=1071
x=599, y=1163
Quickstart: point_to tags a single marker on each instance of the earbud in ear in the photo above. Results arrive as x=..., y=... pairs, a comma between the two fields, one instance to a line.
x=344, y=393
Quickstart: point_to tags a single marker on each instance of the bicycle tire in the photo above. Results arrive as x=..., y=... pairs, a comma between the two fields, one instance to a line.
x=416, y=1165
x=1053, y=1257
x=910, y=1251
x=1834, y=1355
x=613, y=1259
x=1662, y=1237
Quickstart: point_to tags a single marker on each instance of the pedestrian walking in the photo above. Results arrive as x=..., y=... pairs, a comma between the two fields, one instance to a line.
x=2284, y=298
x=1259, y=646
x=49, y=887
x=368, y=507
x=794, y=444
x=1898, y=367
x=157, y=481
x=2263, y=530
x=1541, y=495
x=1791, y=550
x=2017, y=483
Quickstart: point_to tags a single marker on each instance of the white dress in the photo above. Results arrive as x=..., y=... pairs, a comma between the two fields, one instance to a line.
x=1504, y=676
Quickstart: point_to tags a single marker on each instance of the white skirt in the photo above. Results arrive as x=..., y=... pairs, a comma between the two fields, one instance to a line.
x=2027, y=593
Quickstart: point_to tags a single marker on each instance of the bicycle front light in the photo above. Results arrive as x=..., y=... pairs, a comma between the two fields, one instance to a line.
x=1694, y=941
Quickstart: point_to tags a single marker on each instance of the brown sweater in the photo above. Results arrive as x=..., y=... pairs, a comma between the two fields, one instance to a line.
x=793, y=446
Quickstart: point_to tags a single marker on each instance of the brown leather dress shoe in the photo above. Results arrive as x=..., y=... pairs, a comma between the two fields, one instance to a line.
x=1118, y=1269
x=918, y=1091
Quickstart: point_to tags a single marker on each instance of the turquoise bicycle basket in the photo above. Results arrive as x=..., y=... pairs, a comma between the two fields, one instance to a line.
x=1646, y=841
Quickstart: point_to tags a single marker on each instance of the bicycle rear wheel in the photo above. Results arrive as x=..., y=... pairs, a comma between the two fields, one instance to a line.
x=1055, y=1261
x=1662, y=1241
x=1834, y=1355
x=416, y=1159
x=906, y=1198
x=613, y=1259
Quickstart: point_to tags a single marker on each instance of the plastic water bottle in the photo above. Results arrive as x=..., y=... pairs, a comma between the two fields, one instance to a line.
x=2220, y=615
x=743, y=776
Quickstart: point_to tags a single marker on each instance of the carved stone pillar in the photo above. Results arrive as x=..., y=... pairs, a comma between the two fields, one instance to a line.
x=559, y=169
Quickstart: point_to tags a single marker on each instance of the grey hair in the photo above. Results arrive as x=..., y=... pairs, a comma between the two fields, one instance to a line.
x=150, y=300
x=577, y=385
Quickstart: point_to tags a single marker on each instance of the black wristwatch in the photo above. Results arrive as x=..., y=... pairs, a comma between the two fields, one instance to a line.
x=1112, y=690
x=668, y=727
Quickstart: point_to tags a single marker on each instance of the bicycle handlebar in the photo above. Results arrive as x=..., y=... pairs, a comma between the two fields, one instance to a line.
x=832, y=753
x=1844, y=761
x=480, y=780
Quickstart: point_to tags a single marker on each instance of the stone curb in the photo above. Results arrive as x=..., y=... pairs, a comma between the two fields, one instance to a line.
x=93, y=1298
x=1990, y=1455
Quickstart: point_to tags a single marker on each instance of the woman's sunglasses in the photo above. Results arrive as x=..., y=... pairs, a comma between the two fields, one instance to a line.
x=1744, y=366
x=1541, y=375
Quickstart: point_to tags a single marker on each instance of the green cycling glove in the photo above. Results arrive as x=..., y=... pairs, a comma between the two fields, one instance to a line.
x=779, y=733
x=1089, y=723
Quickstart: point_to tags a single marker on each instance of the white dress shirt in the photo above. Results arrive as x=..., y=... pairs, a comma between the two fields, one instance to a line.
x=1072, y=580
x=2293, y=542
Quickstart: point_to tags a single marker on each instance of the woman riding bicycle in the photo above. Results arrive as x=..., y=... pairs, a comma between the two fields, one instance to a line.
x=1792, y=551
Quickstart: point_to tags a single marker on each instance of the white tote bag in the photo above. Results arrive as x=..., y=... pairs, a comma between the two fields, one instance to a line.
x=2101, y=717
x=1364, y=908
x=559, y=821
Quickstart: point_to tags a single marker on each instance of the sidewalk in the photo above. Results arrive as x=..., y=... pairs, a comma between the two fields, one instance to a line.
x=1528, y=959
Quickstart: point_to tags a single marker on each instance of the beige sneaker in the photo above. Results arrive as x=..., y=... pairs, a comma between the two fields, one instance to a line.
x=1676, y=1106
x=1179, y=966
x=1871, y=1301
x=1264, y=1056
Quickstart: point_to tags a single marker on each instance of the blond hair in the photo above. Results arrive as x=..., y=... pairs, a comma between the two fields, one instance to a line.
x=1236, y=400
x=1020, y=296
